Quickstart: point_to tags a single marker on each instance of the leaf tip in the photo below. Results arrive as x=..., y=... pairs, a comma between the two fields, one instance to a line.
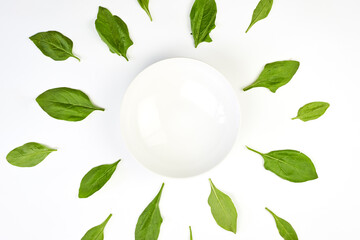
x=316, y=176
x=161, y=189
x=81, y=195
x=249, y=27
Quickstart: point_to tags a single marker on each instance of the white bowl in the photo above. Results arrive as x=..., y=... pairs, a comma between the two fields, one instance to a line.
x=180, y=117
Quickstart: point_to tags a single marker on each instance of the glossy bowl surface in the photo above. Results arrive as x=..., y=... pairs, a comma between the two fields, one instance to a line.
x=180, y=117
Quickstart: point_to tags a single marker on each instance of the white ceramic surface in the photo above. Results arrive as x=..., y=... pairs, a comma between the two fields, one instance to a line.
x=180, y=117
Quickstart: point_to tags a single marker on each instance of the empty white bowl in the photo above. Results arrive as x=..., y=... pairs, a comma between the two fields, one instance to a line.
x=180, y=117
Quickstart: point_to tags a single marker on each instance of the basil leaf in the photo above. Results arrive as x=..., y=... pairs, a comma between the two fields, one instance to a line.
x=149, y=222
x=222, y=209
x=145, y=5
x=191, y=237
x=261, y=11
x=66, y=104
x=290, y=165
x=202, y=16
x=275, y=75
x=96, y=178
x=54, y=45
x=285, y=228
x=97, y=232
x=28, y=155
x=312, y=111
x=113, y=31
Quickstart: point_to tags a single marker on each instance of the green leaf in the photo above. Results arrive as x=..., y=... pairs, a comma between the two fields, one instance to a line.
x=149, y=222
x=96, y=178
x=285, y=228
x=54, y=45
x=66, y=104
x=97, y=232
x=113, y=31
x=290, y=165
x=275, y=75
x=222, y=209
x=191, y=237
x=202, y=16
x=261, y=11
x=312, y=111
x=145, y=5
x=28, y=155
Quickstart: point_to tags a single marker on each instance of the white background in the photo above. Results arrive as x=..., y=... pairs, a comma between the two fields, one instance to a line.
x=41, y=203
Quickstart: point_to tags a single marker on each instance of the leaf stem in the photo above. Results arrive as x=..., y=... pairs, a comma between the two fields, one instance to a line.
x=99, y=108
x=247, y=88
x=211, y=183
x=273, y=214
x=107, y=220
x=254, y=150
x=162, y=186
x=75, y=57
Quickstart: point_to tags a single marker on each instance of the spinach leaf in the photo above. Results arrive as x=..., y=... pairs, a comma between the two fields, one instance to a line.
x=275, y=75
x=312, y=111
x=96, y=178
x=191, y=237
x=28, y=155
x=113, y=31
x=261, y=11
x=222, y=209
x=54, y=45
x=285, y=228
x=145, y=5
x=97, y=232
x=66, y=104
x=290, y=165
x=202, y=16
x=149, y=222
